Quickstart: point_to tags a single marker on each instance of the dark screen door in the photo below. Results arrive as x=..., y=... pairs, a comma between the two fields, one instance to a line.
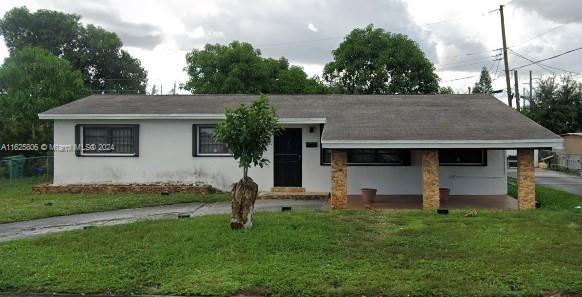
x=287, y=156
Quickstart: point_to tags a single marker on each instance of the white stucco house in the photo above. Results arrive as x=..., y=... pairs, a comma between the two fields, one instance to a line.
x=331, y=143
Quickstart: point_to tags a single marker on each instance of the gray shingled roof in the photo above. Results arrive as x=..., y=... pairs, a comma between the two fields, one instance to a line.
x=348, y=117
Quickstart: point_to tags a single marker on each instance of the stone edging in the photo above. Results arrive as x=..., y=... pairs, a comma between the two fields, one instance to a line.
x=124, y=188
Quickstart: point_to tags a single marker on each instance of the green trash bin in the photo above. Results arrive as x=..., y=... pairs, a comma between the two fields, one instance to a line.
x=14, y=166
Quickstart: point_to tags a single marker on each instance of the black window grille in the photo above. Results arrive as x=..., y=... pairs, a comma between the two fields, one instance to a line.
x=387, y=157
x=120, y=140
x=207, y=143
x=463, y=157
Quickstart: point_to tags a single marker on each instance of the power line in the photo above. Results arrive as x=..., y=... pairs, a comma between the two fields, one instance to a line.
x=549, y=58
x=537, y=64
x=461, y=78
x=342, y=36
x=544, y=66
x=497, y=75
x=546, y=32
x=472, y=62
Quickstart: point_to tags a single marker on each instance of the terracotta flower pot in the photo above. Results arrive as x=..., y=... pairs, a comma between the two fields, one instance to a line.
x=369, y=195
x=444, y=193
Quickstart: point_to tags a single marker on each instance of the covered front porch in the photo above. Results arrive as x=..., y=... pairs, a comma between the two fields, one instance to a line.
x=430, y=197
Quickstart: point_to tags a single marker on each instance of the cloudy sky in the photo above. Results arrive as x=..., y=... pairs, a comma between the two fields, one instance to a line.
x=459, y=37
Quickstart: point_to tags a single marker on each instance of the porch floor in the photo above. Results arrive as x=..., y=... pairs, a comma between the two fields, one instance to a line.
x=415, y=202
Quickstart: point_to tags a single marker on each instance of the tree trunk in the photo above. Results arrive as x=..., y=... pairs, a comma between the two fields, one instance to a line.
x=244, y=194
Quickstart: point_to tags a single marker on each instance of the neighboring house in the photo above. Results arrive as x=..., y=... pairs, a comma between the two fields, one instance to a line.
x=512, y=158
x=399, y=144
x=572, y=143
x=570, y=157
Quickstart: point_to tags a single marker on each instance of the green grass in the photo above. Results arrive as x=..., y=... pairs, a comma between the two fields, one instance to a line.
x=389, y=253
x=548, y=197
x=18, y=203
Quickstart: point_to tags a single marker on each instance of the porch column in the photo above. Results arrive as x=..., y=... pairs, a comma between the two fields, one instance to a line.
x=526, y=179
x=339, y=179
x=430, y=179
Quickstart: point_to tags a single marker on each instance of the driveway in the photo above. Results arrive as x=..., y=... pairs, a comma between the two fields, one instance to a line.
x=555, y=179
x=12, y=231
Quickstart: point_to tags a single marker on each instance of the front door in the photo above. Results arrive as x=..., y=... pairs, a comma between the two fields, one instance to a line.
x=287, y=156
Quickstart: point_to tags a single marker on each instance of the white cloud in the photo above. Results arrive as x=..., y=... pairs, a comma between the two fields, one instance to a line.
x=197, y=33
x=312, y=27
x=160, y=33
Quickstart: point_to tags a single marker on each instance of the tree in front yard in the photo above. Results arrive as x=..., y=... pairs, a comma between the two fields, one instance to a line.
x=247, y=131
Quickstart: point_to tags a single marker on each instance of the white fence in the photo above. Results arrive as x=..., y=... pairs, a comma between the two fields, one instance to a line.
x=570, y=162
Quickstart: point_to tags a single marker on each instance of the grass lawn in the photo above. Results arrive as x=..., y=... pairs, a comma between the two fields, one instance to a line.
x=18, y=203
x=389, y=253
x=548, y=197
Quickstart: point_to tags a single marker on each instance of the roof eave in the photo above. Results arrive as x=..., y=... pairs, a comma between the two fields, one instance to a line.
x=52, y=116
x=442, y=144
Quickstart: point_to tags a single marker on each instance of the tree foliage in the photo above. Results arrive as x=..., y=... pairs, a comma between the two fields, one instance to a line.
x=373, y=61
x=484, y=85
x=557, y=104
x=33, y=80
x=92, y=50
x=238, y=68
x=446, y=90
x=248, y=130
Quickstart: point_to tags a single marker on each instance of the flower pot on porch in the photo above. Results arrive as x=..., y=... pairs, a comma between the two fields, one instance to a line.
x=444, y=193
x=368, y=194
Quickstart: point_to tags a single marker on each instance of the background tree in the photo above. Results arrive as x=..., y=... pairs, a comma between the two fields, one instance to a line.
x=446, y=90
x=92, y=50
x=373, y=61
x=33, y=80
x=238, y=68
x=154, y=90
x=557, y=104
x=247, y=131
x=483, y=86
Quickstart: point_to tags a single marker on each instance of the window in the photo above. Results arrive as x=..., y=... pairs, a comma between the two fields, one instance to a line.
x=107, y=140
x=463, y=157
x=205, y=144
x=388, y=157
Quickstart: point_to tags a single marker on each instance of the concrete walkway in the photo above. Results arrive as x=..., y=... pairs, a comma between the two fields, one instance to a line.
x=12, y=231
x=555, y=179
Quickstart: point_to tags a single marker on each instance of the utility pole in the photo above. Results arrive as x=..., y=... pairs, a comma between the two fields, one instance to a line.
x=530, y=87
x=505, y=61
x=517, y=99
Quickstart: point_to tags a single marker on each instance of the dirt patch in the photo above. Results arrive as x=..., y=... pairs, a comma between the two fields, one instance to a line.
x=253, y=292
x=201, y=189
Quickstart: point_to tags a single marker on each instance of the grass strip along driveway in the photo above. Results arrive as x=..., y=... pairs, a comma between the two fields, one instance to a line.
x=18, y=203
x=389, y=253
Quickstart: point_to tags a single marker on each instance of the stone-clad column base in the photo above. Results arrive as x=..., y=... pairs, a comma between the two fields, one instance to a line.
x=339, y=179
x=526, y=179
x=430, y=179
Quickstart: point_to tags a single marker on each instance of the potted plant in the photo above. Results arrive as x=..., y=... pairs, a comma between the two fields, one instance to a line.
x=369, y=194
x=444, y=193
